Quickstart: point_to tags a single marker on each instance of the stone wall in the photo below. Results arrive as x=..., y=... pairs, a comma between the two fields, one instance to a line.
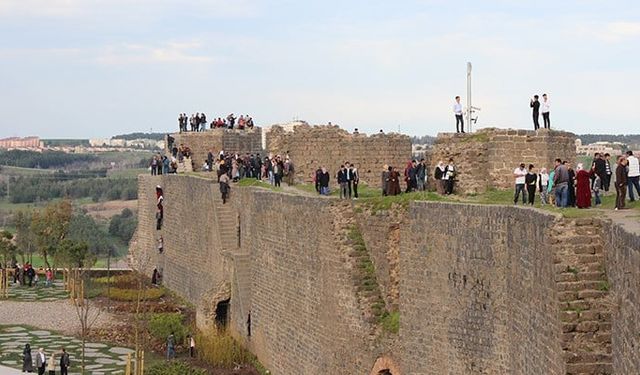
x=487, y=158
x=192, y=261
x=313, y=146
x=623, y=271
x=480, y=289
x=477, y=292
x=230, y=141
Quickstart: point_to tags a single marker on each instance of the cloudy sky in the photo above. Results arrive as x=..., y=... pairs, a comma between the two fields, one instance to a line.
x=94, y=68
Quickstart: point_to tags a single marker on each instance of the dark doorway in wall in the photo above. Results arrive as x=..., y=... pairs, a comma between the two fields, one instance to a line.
x=385, y=372
x=222, y=314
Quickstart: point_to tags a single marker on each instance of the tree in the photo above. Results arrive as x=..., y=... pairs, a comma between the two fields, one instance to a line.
x=78, y=259
x=50, y=226
x=83, y=228
x=25, y=239
x=7, y=254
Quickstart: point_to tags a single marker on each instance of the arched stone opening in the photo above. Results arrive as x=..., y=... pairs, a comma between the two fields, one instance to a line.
x=385, y=366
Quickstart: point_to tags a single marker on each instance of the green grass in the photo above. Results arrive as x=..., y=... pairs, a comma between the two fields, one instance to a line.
x=20, y=171
x=127, y=173
x=257, y=183
x=391, y=321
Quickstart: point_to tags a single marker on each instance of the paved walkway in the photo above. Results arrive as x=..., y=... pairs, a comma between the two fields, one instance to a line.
x=99, y=358
x=8, y=371
x=55, y=315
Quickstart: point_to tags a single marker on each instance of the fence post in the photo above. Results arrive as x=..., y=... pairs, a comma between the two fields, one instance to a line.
x=127, y=370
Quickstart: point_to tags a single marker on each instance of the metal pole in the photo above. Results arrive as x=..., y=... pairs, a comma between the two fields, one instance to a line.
x=469, y=125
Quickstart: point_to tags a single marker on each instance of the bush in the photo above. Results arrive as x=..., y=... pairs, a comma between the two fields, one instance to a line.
x=173, y=368
x=129, y=295
x=391, y=321
x=162, y=324
x=218, y=348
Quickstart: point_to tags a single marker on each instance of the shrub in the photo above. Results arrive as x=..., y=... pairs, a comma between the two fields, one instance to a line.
x=150, y=294
x=173, y=368
x=218, y=348
x=162, y=324
x=391, y=321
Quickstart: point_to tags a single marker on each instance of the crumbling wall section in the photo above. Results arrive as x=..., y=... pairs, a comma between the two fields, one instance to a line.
x=311, y=147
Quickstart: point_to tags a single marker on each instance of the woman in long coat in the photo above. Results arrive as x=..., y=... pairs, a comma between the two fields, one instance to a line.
x=583, y=191
x=27, y=361
x=394, y=182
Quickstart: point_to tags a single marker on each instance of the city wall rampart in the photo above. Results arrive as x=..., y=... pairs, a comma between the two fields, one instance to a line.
x=312, y=147
x=486, y=159
x=481, y=289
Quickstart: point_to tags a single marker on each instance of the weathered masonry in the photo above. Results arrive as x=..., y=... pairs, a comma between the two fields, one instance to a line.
x=479, y=290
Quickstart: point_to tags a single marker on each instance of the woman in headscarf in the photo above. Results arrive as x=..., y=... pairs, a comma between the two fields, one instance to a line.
x=385, y=180
x=583, y=191
x=438, y=174
x=394, y=182
x=27, y=360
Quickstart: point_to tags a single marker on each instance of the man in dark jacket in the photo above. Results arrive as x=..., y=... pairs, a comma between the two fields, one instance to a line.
x=64, y=362
x=341, y=176
x=535, y=104
x=324, y=181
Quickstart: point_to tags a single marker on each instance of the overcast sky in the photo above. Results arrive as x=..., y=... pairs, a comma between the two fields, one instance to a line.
x=95, y=68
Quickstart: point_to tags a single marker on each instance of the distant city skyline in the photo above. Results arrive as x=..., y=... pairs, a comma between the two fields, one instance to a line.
x=92, y=69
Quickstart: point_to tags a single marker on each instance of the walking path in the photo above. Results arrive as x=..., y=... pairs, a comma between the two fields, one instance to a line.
x=55, y=315
x=99, y=358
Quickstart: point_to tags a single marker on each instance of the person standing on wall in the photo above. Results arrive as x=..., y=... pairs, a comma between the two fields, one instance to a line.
x=530, y=181
x=535, y=104
x=545, y=111
x=457, y=111
x=520, y=174
x=356, y=180
x=608, y=172
x=449, y=175
x=621, y=183
x=634, y=175
x=349, y=177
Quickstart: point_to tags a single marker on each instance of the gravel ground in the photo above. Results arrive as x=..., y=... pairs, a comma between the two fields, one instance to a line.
x=58, y=316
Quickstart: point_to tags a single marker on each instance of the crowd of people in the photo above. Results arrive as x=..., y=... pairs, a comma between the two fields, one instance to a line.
x=45, y=363
x=565, y=186
x=26, y=274
x=197, y=122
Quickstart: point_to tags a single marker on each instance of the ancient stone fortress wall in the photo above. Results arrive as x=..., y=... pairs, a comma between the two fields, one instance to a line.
x=232, y=141
x=480, y=289
x=623, y=273
x=486, y=159
x=477, y=292
x=311, y=147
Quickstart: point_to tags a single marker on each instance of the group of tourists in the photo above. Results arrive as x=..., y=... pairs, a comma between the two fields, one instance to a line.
x=348, y=179
x=45, y=363
x=232, y=168
x=565, y=186
x=197, y=122
x=27, y=275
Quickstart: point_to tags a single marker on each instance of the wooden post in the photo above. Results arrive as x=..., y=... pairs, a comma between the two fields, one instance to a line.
x=142, y=363
x=127, y=370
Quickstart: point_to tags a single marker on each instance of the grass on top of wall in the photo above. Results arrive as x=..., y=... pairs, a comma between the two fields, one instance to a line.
x=256, y=183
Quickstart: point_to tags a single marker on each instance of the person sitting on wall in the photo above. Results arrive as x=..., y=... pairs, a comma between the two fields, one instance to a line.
x=231, y=120
x=250, y=123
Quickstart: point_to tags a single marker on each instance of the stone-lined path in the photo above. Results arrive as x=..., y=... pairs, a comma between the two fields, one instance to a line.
x=38, y=292
x=100, y=358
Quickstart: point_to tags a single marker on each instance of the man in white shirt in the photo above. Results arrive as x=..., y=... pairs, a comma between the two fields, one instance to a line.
x=520, y=174
x=633, y=179
x=457, y=110
x=544, y=106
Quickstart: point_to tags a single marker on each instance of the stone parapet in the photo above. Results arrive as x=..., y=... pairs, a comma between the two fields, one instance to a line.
x=486, y=159
x=311, y=147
